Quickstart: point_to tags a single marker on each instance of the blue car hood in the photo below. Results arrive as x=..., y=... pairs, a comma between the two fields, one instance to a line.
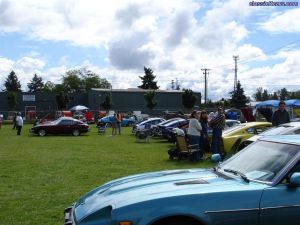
x=157, y=185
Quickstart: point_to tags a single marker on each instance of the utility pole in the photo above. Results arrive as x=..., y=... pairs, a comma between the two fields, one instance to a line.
x=205, y=84
x=235, y=58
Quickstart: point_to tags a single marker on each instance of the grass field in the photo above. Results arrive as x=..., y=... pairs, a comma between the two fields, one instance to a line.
x=40, y=176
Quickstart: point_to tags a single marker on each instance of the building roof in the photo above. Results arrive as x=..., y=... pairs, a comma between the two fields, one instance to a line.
x=137, y=90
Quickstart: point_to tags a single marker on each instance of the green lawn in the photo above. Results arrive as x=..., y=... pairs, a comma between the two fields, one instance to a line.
x=40, y=176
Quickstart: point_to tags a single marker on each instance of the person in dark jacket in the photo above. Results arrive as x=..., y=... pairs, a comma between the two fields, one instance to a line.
x=217, y=123
x=280, y=116
x=204, y=144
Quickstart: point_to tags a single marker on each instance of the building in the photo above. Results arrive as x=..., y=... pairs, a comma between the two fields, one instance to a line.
x=124, y=100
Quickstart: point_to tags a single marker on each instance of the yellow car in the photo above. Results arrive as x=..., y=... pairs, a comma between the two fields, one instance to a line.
x=233, y=137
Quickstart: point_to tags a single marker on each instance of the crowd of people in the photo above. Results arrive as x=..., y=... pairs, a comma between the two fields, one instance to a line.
x=197, y=132
x=200, y=121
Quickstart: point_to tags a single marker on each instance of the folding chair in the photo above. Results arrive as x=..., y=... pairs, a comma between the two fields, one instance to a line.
x=183, y=150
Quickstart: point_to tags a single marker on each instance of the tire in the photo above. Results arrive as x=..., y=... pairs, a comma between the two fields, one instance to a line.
x=76, y=132
x=108, y=125
x=130, y=124
x=42, y=133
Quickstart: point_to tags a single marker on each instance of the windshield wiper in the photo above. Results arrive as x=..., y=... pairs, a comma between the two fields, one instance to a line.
x=235, y=172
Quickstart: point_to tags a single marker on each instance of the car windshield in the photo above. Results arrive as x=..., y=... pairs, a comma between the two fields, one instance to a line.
x=234, y=128
x=168, y=121
x=173, y=122
x=55, y=122
x=261, y=161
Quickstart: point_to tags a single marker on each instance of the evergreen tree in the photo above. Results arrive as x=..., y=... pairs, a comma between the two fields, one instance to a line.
x=148, y=80
x=12, y=83
x=149, y=97
x=258, y=94
x=265, y=95
x=107, y=104
x=36, y=84
x=12, y=100
x=238, y=98
x=274, y=96
x=62, y=100
x=188, y=99
x=284, y=94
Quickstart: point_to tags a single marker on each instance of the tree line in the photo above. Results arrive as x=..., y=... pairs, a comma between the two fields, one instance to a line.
x=282, y=94
x=83, y=80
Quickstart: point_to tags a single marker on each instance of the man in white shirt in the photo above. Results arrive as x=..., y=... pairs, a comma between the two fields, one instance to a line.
x=19, y=123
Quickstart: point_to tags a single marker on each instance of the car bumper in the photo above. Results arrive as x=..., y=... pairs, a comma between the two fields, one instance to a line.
x=69, y=215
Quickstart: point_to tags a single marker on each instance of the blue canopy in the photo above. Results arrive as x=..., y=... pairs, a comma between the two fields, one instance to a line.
x=274, y=103
x=268, y=103
x=293, y=103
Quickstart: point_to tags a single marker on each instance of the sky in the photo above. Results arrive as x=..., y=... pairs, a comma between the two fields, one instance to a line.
x=175, y=38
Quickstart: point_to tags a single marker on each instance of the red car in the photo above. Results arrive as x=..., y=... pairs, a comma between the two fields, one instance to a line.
x=63, y=125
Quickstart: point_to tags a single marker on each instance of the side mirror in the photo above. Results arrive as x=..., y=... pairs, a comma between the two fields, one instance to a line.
x=295, y=180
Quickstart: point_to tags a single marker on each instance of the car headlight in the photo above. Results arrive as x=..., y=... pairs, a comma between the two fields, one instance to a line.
x=100, y=217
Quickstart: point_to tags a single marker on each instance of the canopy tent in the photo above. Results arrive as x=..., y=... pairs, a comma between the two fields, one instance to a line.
x=268, y=103
x=79, y=108
x=293, y=103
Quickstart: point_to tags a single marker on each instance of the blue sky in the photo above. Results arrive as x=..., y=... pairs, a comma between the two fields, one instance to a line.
x=176, y=38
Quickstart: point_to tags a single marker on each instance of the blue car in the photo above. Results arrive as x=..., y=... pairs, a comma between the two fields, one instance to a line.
x=147, y=124
x=167, y=129
x=125, y=121
x=257, y=186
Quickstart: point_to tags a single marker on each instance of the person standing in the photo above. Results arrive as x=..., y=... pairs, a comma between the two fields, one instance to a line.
x=1, y=120
x=119, y=121
x=204, y=145
x=14, y=121
x=113, y=121
x=194, y=132
x=19, y=123
x=280, y=116
x=217, y=124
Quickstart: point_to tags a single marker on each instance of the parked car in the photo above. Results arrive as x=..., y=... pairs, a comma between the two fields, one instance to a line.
x=156, y=129
x=257, y=186
x=149, y=123
x=233, y=137
x=167, y=129
x=63, y=125
x=125, y=121
x=284, y=129
x=231, y=123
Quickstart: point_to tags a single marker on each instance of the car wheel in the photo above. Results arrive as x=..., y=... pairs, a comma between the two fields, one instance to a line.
x=129, y=124
x=42, y=133
x=108, y=125
x=76, y=132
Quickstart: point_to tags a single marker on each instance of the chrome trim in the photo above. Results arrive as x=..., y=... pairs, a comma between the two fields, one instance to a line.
x=280, y=207
x=231, y=210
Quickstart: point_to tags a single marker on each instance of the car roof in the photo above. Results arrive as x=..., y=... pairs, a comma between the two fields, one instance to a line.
x=287, y=139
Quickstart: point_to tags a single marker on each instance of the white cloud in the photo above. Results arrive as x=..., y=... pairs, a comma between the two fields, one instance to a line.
x=168, y=37
x=280, y=22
